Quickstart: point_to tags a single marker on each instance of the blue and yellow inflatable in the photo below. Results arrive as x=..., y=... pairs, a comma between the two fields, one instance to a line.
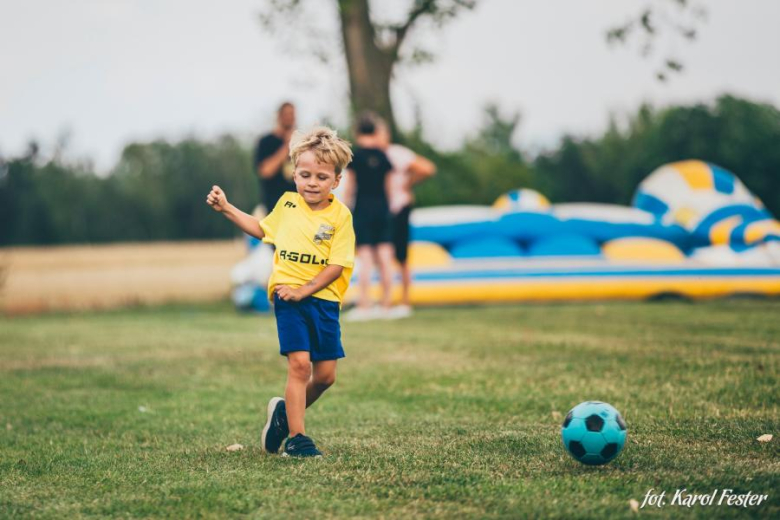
x=694, y=230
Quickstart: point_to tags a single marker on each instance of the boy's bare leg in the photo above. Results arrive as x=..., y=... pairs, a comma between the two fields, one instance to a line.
x=323, y=376
x=298, y=376
x=385, y=255
x=366, y=258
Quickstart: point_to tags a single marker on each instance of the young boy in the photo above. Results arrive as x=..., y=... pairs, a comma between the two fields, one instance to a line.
x=315, y=252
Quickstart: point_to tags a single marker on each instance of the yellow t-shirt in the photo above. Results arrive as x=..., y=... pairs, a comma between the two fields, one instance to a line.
x=306, y=241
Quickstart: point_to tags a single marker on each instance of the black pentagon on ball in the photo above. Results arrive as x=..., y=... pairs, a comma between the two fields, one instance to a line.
x=609, y=450
x=567, y=419
x=620, y=422
x=577, y=449
x=594, y=423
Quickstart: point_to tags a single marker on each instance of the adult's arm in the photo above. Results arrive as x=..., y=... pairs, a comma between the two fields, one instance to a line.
x=421, y=168
x=271, y=164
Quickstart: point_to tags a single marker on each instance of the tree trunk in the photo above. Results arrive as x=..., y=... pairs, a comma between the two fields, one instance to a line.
x=370, y=67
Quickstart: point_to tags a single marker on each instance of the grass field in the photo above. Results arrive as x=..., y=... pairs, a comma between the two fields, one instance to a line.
x=453, y=413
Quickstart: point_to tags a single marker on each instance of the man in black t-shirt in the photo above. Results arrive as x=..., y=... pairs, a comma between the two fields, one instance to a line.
x=272, y=158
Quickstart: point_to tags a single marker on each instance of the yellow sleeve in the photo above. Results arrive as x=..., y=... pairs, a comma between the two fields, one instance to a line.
x=270, y=224
x=342, y=248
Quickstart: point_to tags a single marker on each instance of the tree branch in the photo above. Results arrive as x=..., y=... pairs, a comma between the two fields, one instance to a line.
x=423, y=7
x=658, y=21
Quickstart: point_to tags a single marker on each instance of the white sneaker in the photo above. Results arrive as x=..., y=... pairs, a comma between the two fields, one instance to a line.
x=362, y=314
x=398, y=312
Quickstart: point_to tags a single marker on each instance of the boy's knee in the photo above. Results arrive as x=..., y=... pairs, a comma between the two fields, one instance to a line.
x=299, y=368
x=323, y=382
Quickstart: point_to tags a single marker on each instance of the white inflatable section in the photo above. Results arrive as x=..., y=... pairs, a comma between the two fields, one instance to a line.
x=764, y=255
x=603, y=212
x=449, y=215
x=688, y=205
x=255, y=268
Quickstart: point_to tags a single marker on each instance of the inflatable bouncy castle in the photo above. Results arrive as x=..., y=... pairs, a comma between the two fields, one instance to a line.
x=721, y=216
x=693, y=231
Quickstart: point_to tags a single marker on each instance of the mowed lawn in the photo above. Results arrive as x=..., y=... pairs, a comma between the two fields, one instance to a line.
x=455, y=412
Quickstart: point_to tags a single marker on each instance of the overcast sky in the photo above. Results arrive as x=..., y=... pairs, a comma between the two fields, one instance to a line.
x=110, y=71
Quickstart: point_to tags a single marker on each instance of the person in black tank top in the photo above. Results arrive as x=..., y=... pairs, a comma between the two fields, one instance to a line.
x=371, y=167
x=367, y=179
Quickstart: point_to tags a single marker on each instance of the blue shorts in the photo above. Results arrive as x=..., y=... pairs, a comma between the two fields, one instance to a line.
x=310, y=325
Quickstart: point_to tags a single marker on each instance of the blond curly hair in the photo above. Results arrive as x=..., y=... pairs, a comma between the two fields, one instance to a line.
x=328, y=147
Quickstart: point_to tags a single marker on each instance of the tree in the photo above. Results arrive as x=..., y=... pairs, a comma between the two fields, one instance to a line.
x=372, y=48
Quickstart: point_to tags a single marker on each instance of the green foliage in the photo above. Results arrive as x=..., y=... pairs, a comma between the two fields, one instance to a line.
x=736, y=134
x=486, y=166
x=49, y=204
x=169, y=183
x=157, y=190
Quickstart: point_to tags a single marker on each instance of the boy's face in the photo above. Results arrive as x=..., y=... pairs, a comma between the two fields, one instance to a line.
x=314, y=181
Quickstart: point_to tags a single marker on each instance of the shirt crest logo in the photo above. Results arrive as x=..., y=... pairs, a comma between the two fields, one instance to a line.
x=325, y=232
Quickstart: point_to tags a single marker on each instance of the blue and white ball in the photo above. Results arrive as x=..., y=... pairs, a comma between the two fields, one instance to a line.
x=594, y=433
x=522, y=200
x=709, y=202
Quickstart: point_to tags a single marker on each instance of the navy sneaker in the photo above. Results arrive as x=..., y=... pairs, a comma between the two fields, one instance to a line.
x=275, y=430
x=300, y=446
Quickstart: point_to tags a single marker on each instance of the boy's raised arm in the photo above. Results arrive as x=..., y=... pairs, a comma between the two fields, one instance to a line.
x=245, y=222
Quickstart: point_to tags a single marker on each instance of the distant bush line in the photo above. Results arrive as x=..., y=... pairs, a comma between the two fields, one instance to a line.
x=157, y=190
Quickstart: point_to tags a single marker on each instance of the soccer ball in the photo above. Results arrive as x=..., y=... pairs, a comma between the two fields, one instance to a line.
x=594, y=432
